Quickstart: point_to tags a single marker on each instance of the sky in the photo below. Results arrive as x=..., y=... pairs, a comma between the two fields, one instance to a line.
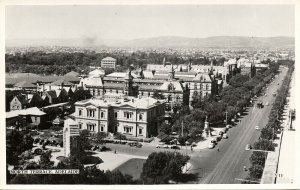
x=138, y=21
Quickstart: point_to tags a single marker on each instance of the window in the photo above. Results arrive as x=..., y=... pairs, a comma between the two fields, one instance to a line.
x=127, y=129
x=116, y=114
x=93, y=92
x=35, y=119
x=102, y=114
x=148, y=93
x=141, y=116
x=80, y=112
x=80, y=125
x=140, y=131
x=117, y=91
x=101, y=128
x=91, y=127
x=127, y=115
x=98, y=92
x=90, y=113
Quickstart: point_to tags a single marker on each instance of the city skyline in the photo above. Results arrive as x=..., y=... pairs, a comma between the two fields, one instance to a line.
x=129, y=22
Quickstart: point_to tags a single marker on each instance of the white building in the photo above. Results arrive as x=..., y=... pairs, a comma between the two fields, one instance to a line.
x=108, y=62
x=133, y=117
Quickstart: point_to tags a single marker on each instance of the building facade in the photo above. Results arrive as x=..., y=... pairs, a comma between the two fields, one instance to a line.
x=131, y=116
x=108, y=62
x=174, y=87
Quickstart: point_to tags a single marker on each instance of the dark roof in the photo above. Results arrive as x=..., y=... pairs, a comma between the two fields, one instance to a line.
x=60, y=81
x=51, y=93
x=72, y=73
x=22, y=98
x=45, y=79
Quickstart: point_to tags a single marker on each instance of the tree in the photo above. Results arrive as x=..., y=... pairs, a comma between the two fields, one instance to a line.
x=100, y=136
x=268, y=133
x=116, y=177
x=45, y=162
x=161, y=167
x=256, y=171
x=264, y=144
x=258, y=158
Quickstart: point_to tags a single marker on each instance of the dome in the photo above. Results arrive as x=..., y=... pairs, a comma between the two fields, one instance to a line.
x=97, y=73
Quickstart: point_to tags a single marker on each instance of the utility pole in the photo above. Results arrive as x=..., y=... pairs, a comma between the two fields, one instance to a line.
x=226, y=116
x=182, y=128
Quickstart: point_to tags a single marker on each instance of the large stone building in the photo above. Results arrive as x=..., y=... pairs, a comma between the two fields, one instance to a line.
x=174, y=87
x=108, y=62
x=134, y=117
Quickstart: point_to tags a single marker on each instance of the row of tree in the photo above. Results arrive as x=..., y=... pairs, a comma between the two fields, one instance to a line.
x=268, y=133
x=62, y=62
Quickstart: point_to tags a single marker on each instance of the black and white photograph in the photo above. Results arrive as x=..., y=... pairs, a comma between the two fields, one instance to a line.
x=134, y=93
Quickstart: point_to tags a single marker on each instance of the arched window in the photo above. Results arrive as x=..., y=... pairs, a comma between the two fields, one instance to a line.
x=141, y=116
x=80, y=112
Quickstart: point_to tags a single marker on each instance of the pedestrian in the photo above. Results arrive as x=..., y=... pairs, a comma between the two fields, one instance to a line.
x=192, y=148
x=115, y=151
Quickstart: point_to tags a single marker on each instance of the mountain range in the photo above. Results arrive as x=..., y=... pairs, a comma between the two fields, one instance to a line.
x=165, y=42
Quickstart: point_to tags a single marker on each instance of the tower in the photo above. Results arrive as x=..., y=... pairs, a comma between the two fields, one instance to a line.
x=70, y=136
x=171, y=74
x=140, y=74
x=128, y=83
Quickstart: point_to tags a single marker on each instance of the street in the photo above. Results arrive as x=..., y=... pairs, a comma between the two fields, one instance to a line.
x=226, y=166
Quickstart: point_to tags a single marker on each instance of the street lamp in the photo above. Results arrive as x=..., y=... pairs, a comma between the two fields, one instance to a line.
x=186, y=142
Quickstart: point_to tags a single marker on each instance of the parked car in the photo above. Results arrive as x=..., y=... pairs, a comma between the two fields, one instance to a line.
x=228, y=126
x=139, y=145
x=166, y=146
x=160, y=145
x=175, y=147
x=211, y=145
x=248, y=147
x=37, y=151
x=214, y=140
x=225, y=136
x=257, y=127
x=103, y=148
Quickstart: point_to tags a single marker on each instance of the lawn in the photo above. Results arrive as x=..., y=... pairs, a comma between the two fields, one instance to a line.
x=133, y=167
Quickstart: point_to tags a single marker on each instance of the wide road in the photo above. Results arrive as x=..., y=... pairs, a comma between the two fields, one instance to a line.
x=226, y=166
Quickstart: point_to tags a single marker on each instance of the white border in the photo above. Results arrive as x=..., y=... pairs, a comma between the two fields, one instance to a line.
x=4, y=3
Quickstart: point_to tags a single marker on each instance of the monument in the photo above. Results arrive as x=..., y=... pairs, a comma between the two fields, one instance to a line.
x=70, y=136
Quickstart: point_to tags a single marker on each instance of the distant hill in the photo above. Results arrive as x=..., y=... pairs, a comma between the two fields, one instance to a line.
x=213, y=42
x=167, y=42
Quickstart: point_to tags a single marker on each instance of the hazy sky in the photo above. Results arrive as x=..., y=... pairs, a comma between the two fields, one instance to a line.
x=130, y=22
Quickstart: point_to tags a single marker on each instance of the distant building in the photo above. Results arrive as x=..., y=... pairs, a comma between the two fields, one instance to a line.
x=31, y=116
x=19, y=102
x=133, y=117
x=108, y=62
x=174, y=87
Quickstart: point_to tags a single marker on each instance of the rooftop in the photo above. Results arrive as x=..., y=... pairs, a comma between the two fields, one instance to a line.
x=131, y=102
